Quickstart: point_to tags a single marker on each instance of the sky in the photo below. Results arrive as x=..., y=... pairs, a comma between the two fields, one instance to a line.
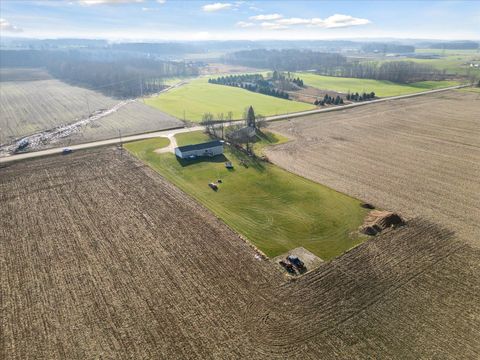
x=175, y=20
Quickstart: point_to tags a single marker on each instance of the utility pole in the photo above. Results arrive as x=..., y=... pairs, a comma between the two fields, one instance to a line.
x=141, y=90
x=121, y=143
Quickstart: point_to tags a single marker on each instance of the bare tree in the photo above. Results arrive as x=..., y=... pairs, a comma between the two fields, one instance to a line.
x=221, y=123
x=207, y=121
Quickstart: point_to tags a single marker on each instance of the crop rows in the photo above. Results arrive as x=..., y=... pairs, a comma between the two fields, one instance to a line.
x=27, y=107
x=420, y=157
x=103, y=258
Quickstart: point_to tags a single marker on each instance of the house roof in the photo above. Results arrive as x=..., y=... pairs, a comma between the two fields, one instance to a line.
x=201, y=146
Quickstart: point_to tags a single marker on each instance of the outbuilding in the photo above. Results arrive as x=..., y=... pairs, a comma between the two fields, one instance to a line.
x=210, y=149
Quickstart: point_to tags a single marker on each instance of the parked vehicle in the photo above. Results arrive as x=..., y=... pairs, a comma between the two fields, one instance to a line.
x=66, y=151
x=296, y=262
x=287, y=266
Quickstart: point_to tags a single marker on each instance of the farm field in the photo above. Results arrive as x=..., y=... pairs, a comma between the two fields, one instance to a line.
x=380, y=87
x=27, y=107
x=31, y=102
x=133, y=118
x=103, y=258
x=197, y=97
x=453, y=62
x=419, y=156
x=276, y=210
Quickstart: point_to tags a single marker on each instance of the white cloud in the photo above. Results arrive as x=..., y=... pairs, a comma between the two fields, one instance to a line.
x=107, y=2
x=161, y=1
x=339, y=21
x=244, y=24
x=334, y=21
x=293, y=21
x=273, y=26
x=266, y=17
x=216, y=7
x=6, y=26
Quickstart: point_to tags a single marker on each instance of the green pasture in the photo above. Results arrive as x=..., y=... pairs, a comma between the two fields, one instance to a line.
x=275, y=209
x=192, y=100
x=380, y=87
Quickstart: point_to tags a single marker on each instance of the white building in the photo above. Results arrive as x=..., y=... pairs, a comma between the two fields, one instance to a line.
x=209, y=149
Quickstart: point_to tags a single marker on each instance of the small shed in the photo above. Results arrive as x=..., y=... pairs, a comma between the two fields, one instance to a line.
x=210, y=149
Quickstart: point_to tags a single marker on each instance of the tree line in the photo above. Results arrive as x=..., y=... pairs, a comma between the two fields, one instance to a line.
x=387, y=48
x=250, y=82
x=395, y=71
x=357, y=97
x=328, y=100
x=285, y=60
x=123, y=78
x=337, y=65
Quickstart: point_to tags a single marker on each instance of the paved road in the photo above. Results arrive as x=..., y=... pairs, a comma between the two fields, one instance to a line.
x=170, y=133
x=163, y=133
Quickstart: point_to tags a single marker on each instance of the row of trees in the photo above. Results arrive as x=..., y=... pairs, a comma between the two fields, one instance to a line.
x=236, y=79
x=337, y=65
x=328, y=100
x=222, y=126
x=395, y=71
x=298, y=82
x=251, y=82
x=357, y=97
x=285, y=60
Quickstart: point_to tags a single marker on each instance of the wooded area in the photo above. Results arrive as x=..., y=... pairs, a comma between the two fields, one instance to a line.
x=125, y=77
x=286, y=60
x=396, y=71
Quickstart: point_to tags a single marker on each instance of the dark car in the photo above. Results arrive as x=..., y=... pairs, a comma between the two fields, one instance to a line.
x=296, y=262
x=287, y=266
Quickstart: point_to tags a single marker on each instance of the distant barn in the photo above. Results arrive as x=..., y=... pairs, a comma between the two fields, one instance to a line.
x=211, y=148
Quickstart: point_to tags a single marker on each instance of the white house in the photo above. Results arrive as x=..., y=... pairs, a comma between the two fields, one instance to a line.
x=211, y=148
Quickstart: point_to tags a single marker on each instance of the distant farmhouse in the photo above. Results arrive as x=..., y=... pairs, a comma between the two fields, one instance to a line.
x=211, y=148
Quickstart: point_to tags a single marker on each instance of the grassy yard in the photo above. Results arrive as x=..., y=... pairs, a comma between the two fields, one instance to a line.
x=380, y=87
x=276, y=210
x=198, y=97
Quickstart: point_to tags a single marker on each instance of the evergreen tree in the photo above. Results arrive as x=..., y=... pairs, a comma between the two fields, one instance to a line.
x=251, y=117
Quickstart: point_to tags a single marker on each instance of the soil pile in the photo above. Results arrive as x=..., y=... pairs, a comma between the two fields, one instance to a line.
x=377, y=221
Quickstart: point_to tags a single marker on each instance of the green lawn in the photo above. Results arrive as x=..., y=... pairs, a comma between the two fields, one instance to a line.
x=380, y=87
x=198, y=97
x=274, y=209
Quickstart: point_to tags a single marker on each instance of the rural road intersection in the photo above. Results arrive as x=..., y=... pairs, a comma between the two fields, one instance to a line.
x=171, y=133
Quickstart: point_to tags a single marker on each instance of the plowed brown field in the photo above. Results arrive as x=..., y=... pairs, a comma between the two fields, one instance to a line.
x=418, y=156
x=100, y=257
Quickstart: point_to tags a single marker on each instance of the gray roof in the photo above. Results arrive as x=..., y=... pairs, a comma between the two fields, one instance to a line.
x=201, y=146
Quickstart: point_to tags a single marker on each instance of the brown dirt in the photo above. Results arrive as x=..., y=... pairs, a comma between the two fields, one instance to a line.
x=418, y=156
x=31, y=103
x=377, y=221
x=102, y=258
x=309, y=94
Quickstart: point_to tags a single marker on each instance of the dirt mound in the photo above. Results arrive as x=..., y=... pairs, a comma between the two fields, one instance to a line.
x=377, y=221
